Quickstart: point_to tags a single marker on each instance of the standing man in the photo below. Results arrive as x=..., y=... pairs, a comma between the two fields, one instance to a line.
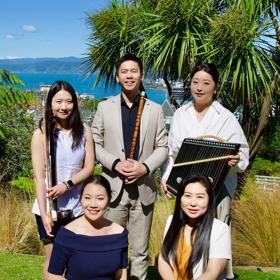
x=132, y=179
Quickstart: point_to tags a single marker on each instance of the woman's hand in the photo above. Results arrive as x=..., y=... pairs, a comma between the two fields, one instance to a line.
x=214, y=269
x=164, y=269
x=233, y=160
x=121, y=274
x=164, y=189
x=47, y=225
x=55, y=277
x=56, y=191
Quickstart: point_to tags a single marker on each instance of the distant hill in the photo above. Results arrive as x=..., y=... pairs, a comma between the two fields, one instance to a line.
x=63, y=65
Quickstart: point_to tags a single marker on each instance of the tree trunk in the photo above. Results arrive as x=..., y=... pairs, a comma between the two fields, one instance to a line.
x=264, y=117
x=170, y=93
x=263, y=122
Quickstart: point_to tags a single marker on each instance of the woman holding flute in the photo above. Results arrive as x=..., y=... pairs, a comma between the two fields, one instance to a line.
x=69, y=156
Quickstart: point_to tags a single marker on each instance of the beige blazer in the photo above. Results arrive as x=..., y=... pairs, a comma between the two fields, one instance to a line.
x=109, y=145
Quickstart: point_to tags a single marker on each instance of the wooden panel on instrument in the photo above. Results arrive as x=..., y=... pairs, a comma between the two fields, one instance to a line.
x=195, y=150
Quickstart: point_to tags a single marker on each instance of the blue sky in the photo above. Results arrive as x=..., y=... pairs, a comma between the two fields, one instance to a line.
x=45, y=28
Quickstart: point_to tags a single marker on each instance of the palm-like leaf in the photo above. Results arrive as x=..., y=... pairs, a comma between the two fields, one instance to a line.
x=242, y=49
x=115, y=32
x=9, y=93
x=172, y=35
x=175, y=35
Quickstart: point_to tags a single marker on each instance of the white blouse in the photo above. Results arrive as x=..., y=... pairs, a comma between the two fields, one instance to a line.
x=217, y=121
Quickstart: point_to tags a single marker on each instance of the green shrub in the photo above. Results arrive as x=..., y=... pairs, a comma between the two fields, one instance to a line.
x=24, y=183
x=97, y=169
x=265, y=167
x=17, y=122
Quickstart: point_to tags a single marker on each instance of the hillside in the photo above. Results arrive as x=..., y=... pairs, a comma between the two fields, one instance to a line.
x=63, y=65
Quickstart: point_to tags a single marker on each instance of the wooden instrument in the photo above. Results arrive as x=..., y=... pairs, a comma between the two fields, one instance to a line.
x=137, y=125
x=206, y=157
x=48, y=162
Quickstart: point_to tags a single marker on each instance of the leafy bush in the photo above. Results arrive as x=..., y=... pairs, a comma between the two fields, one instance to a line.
x=270, y=149
x=24, y=183
x=91, y=104
x=266, y=167
x=256, y=228
x=17, y=124
x=98, y=169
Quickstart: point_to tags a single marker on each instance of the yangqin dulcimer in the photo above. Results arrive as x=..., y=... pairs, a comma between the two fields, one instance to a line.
x=206, y=157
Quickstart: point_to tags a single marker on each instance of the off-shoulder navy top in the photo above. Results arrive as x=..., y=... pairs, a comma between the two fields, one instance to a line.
x=88, y=257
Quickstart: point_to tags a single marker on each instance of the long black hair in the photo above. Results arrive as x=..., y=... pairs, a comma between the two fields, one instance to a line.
x=75, y=122
x=200, y=235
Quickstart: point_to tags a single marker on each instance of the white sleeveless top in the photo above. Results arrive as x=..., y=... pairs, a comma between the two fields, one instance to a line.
x=68, y=163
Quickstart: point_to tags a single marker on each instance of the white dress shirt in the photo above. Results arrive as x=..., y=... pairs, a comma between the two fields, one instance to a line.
x=217, y=121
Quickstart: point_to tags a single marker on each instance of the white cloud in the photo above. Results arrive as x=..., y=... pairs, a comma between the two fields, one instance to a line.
x=9, y=37
x=11, y=57
x=29, y=28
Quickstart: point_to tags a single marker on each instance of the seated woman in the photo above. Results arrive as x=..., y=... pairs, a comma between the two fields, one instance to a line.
x=91, y=247
x=196, y=246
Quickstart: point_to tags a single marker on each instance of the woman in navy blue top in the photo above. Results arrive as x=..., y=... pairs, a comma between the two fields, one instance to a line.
x=91, y=247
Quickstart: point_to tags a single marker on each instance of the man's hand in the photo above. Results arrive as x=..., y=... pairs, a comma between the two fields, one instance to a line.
x=122, y=166
x=131, y=169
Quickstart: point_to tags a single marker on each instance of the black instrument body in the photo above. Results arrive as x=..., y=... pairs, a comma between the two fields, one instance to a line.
x=193, y=150
x=52, y=170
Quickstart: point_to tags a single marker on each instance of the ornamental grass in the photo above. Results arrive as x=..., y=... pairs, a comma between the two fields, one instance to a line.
x=163, y=208
x=256, y=227
x=18, y=231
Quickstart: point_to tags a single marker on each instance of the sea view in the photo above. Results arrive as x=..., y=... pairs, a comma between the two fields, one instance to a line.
x=82, y=85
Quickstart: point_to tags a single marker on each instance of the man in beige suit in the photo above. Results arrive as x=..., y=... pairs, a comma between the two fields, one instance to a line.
x=132, y=180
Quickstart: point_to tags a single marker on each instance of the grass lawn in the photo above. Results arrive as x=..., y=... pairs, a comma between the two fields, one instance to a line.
x=20, y=267
x=25, y=267
x=242, y=275
x=256, y=275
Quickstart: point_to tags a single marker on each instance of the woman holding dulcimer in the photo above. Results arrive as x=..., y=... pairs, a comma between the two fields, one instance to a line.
x=203, y=115
x=62, y=158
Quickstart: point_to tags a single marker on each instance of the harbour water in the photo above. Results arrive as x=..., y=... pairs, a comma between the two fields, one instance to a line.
x=82, y=85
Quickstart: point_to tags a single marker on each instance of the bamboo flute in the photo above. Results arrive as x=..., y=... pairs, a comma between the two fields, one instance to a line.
x=137, y=125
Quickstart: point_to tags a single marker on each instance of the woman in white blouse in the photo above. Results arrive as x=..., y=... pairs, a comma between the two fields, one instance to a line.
x=203, y=115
